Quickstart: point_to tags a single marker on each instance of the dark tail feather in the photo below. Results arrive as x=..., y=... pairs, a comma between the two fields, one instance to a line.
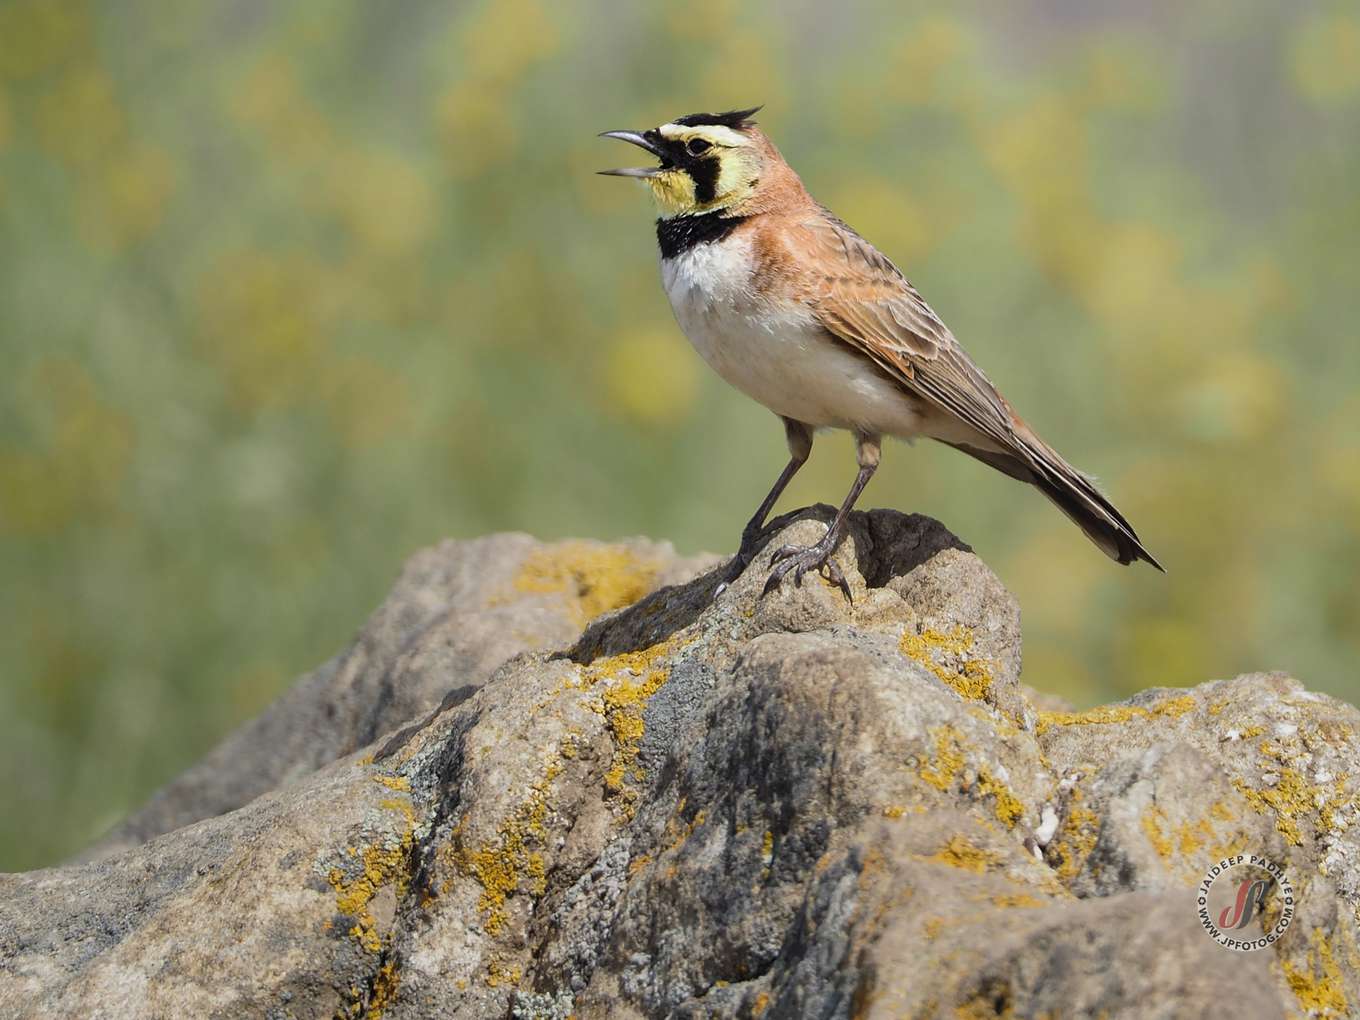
x=1072, y=493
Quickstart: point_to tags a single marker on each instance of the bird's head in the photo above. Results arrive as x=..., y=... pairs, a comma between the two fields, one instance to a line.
x=708, y=161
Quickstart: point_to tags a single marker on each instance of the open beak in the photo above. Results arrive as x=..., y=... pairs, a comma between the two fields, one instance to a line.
x=641, y=142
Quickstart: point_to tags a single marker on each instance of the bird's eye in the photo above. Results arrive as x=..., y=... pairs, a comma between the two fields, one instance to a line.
x=698, y=146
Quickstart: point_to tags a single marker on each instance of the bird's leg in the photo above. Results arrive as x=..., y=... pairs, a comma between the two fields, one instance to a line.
x=799, y=438
x=801, y=559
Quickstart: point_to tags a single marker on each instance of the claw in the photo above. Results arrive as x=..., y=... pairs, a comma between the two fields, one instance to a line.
x=837, y=577
x=801, y=560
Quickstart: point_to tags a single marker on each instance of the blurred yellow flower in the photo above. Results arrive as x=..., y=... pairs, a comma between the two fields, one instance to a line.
x=126, y=200
x=1236, y=395
x=700, y=19
x=1337, y=466
x=478, y=134
x=650, y=377
x=1051, y=551
x=258, y=322
x=271, y=100
x=383, y=199
x=38, y=34
x=1041, y=155
x=499, y=45
x=507, y=38
x=365, y=401
x=743, y=71
x=79, y=120
x=1325, y=58
x=1121, y=76
x=901, y=227
x=1338, y=444
x=1164, y=651
x=919, y=70
x=75, y=464
x=1041, y=150
x=1129, y=272
x=1054, y=669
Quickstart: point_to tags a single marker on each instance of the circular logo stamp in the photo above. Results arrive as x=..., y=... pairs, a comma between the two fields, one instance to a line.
x=1237, y=891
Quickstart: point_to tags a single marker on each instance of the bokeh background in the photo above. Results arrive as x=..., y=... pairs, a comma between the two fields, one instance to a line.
x=288, y=291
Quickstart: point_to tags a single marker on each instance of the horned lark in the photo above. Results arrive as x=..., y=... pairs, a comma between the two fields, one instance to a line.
x=796, y=310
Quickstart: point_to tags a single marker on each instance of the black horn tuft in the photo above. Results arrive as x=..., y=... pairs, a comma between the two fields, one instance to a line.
x=735, y=119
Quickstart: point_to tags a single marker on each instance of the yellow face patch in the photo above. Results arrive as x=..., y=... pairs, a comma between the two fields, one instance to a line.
x=677, y=191
x=674, y=192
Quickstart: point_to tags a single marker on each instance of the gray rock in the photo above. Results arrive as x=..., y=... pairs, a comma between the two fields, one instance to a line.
x=694, y=807
x=457, y=612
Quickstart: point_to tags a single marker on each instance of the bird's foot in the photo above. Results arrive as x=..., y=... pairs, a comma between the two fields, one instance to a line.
x=801, y=559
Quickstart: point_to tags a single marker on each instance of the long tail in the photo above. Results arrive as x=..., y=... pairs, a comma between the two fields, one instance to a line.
x=1072, y=492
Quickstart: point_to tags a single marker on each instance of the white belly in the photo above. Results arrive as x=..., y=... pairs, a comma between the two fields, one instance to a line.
x=777, y=354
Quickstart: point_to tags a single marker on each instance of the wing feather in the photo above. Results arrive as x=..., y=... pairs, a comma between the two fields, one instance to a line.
x=867, y=302
x=859, y=296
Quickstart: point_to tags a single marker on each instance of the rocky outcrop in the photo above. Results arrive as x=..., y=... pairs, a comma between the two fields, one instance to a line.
x=694, y=807
x=457, y=612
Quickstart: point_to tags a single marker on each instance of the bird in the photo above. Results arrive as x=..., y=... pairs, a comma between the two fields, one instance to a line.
x=795, y=309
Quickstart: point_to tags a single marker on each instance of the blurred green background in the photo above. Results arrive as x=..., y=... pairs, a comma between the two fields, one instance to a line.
x=288, y=291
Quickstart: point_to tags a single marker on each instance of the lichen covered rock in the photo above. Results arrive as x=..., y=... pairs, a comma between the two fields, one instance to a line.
x=694, y=807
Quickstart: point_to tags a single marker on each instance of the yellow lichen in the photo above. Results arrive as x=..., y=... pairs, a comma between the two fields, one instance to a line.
x=1152, y=821
x=1292, y=798
x=1006, y=804
x=1317, y=983
x=762, y=1003
x=894, y=811
x=1076, y=837
x=947, y=761
x=637, y=864
x=934, y=649
x=959, y=853
x=500, y=865
x=385, y=984
x=1182, y=840
x=381, y=864
x=498, y=974
x=1106, y=715
x=596, y=578
x=624, y=702
x=983, y=1007
x=1017, y=900
x=627, y=682
x=401, y=807
x=1190, y=838
x=767, y=846
x=678, y=831
x=398, y=783
x=947, y=767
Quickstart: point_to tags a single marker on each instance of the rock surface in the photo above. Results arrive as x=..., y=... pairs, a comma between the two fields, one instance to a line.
x=694, y=807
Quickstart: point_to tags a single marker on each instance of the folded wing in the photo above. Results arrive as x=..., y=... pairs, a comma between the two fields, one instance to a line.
x=860, y=297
